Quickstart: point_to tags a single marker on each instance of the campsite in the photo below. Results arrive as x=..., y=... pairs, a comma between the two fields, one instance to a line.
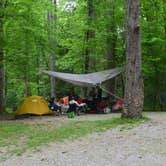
x=82, y=82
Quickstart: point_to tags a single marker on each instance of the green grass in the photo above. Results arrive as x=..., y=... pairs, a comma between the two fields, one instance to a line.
x=19, y=137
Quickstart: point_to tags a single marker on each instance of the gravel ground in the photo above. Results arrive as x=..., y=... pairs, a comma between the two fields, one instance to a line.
x=143, y=145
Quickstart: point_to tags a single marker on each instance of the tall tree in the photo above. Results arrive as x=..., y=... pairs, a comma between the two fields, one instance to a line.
x=111, y=42
x=1, y=60
x=52, y=26
x=89, y=34
x=134, y=96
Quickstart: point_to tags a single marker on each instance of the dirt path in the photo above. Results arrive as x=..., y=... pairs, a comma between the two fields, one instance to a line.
x=144, y=145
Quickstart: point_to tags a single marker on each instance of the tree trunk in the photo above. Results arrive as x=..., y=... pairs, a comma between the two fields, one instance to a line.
x=111, y=44
x=164, y=4
x=37, y=74
x=52, y=79
x=27, y=84
x=43, y=66
x=44, y=87
x=27, y=63
x=52, y=28
x=134, y=96
x=123, y=84
x=88, y=35
x=2, y=103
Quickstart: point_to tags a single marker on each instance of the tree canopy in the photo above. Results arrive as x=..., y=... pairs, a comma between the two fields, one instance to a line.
x=89, y=36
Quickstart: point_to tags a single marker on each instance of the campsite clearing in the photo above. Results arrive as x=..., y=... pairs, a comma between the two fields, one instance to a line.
x=20, y=136
x=143, y=144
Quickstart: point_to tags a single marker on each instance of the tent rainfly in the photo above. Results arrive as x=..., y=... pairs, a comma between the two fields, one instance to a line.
x=86, y=80
x=34, y=105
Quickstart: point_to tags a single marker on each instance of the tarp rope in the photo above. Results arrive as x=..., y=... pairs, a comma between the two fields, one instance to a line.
x=109, y=92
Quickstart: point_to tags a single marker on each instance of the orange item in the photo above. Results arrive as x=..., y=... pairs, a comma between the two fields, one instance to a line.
x=66, y=100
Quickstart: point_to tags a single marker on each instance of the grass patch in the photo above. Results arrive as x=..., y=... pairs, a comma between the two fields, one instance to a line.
x=16, y=138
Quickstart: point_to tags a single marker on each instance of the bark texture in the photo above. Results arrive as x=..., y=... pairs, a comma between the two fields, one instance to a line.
x=52, y=79
x=27, y=77
x=89, y=34
x=52, y=28
x=134, y=96
x=2, y=105
x=111, y=43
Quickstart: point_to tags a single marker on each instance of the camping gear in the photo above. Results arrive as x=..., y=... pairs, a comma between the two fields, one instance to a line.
x=86, y=80
x=89, y=80
x=73, y=107
x=65, y=100
x=107, y=110
x=34, y=105
x=119, y=105
x=71, y=114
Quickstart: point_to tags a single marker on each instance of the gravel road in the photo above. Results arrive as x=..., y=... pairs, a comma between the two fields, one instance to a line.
x=143, y=145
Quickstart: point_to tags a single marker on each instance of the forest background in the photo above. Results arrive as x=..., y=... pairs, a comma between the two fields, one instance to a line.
x=78, y=36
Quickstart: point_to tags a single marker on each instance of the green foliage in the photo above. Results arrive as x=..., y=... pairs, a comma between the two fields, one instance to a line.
x=28, y=46
x=153, y=51
x=25, y=35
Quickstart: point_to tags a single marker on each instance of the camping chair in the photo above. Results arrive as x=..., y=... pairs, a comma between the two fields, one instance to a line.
x=83, y=107
x=73, y=108
x=64, y=103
